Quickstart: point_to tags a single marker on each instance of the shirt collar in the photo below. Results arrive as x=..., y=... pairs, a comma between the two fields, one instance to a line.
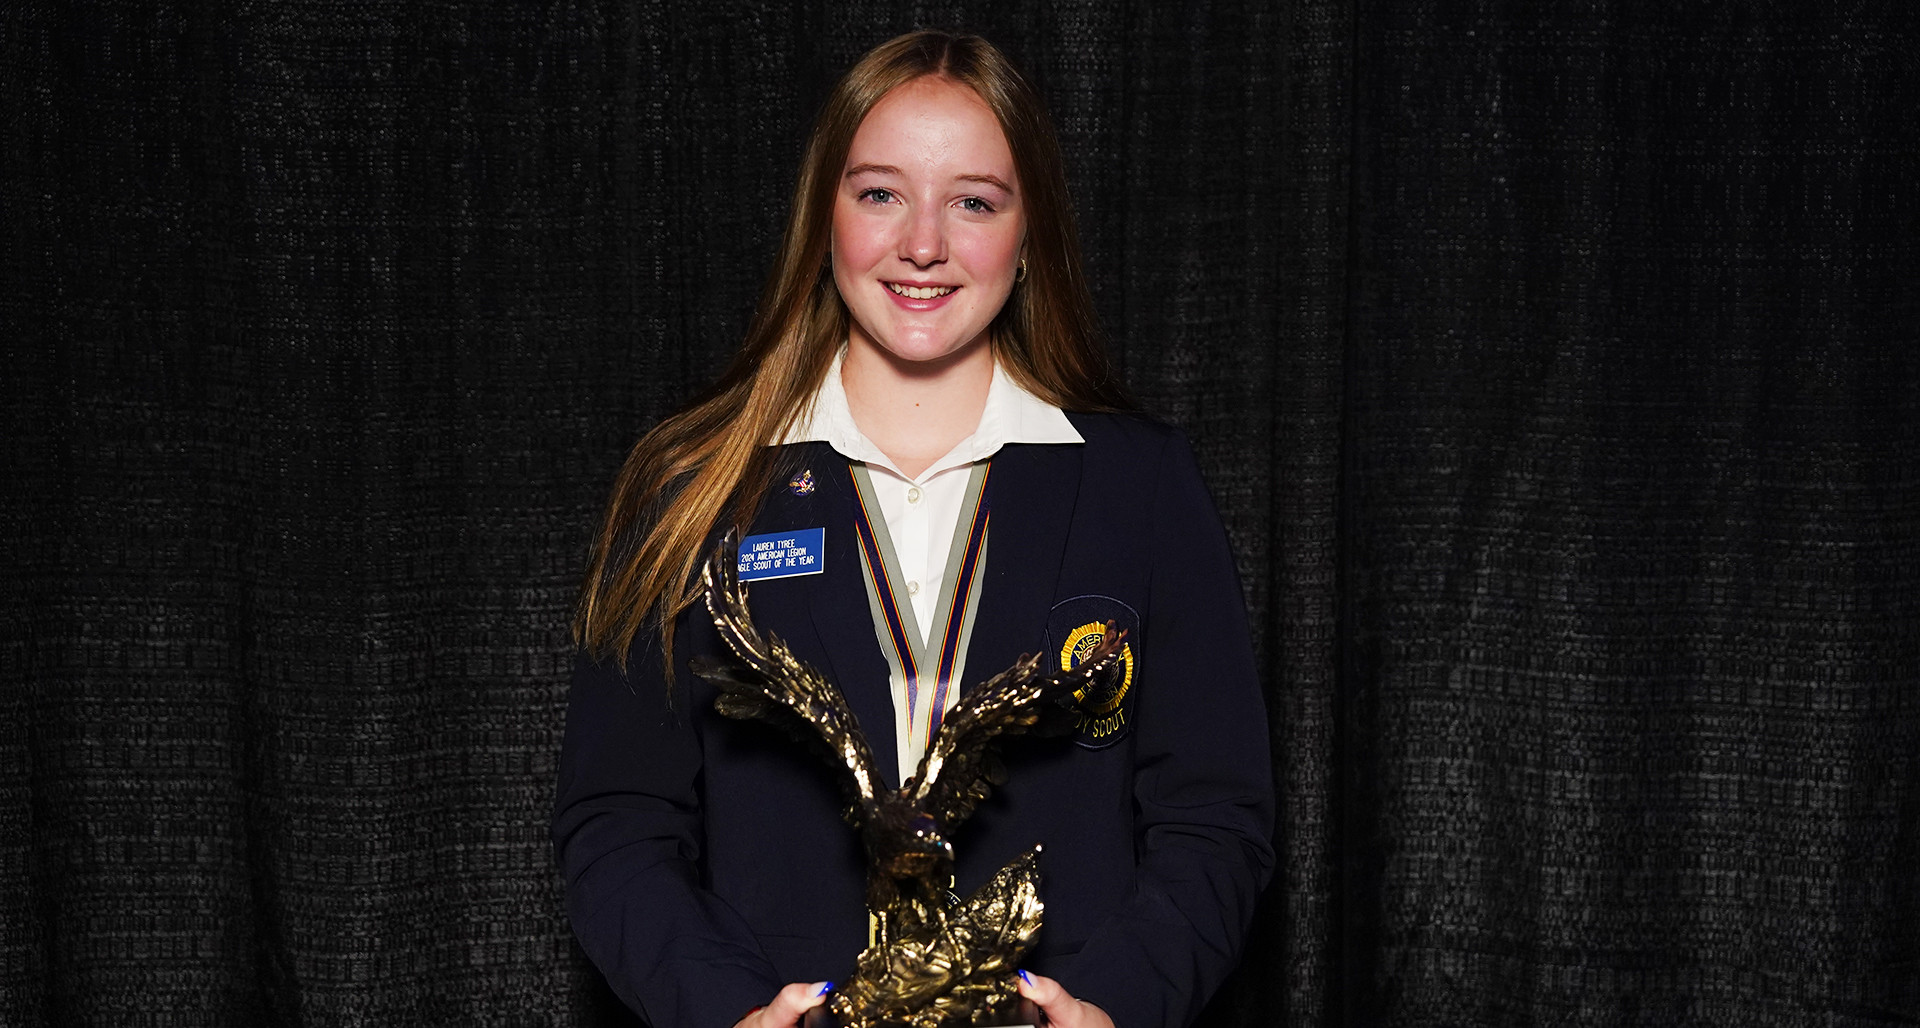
x=1011, y=415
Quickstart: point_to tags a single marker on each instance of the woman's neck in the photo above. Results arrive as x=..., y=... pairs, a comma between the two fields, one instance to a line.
x=916, y=411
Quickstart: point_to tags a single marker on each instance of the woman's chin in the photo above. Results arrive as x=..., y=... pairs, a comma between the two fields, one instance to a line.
x=927, y=353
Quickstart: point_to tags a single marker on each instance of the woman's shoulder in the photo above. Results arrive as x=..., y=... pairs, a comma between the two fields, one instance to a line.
x=1128, y=431
x=1141, y=441
x=1136, y=454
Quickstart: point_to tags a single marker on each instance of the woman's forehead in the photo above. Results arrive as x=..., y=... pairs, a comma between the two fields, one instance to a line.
x=932, y=124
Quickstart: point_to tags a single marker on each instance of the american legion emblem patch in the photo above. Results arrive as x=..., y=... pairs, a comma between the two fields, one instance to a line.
x=1074, y=628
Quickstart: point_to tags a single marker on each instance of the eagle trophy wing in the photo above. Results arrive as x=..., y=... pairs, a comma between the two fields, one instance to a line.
x=766, y=682
x=960, y=768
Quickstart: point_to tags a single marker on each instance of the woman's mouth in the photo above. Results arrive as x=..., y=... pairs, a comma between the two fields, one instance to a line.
x=920, y=292
x=920, y=299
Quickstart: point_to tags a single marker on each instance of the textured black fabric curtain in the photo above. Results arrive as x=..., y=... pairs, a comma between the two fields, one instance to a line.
x=1553, y=365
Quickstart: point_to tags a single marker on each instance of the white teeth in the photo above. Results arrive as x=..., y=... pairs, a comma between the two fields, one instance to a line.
x=919, y=292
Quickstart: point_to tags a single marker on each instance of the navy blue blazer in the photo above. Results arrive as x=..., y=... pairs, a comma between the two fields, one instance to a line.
x=706, y=861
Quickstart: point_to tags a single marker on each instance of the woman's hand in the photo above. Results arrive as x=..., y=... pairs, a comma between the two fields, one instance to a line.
x=788, y=1006
x=1059, y=1009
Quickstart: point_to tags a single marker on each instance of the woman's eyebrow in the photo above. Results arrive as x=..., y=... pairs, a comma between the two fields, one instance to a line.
x=887, y=169
x=991, y=180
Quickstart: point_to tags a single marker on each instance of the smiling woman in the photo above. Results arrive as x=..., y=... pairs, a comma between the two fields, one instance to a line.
x=927, y=232
x=707, y=464
x=920, y=406
x=927, y=228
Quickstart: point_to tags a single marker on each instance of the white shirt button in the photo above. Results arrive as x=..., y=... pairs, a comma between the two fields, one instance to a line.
x=913, y=494
x=913, y=588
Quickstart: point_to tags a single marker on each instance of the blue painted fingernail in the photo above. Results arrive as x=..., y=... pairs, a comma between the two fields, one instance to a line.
x=1025, y=977
x=825, y=987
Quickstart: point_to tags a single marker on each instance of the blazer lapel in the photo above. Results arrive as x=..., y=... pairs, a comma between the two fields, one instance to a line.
x=1033, y=490
x=841, y=619
x=823, y=618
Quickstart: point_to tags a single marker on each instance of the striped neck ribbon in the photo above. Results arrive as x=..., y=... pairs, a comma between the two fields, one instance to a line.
x=922, y=666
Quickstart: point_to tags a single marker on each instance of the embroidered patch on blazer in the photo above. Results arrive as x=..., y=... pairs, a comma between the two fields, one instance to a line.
x=1074, y=628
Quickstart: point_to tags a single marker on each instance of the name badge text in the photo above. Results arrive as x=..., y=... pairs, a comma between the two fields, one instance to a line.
x=783, y=554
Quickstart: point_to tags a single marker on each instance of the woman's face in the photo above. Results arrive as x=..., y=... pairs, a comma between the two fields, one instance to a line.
x=927, y=222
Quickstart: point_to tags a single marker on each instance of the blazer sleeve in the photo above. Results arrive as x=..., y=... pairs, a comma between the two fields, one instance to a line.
x=1203, y=792
x=627, y=830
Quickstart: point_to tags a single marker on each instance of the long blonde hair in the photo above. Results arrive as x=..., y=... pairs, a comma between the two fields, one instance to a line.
x=710, y=463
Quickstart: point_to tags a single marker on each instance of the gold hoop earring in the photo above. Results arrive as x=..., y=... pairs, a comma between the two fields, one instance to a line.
x=1020, y=274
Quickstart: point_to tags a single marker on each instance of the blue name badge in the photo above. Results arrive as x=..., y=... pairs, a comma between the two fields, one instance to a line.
x=783, y=554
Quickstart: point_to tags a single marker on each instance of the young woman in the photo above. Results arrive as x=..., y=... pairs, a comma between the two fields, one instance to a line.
x=922, y=425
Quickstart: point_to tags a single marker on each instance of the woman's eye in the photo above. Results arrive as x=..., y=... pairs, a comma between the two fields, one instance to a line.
x=975, y=205
x=877, y=195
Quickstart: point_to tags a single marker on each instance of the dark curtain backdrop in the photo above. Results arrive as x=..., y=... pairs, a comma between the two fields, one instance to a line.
x=1553, y=365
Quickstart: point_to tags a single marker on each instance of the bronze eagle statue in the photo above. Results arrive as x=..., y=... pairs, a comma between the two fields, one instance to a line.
x=934, y=960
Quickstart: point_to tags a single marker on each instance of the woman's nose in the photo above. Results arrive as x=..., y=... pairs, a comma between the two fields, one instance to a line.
x=925, y=241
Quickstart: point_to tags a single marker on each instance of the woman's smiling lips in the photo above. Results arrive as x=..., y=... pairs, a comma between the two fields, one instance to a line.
x=920, y=297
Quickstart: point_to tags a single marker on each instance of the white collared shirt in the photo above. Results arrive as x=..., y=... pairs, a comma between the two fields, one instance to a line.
x=921, y=511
